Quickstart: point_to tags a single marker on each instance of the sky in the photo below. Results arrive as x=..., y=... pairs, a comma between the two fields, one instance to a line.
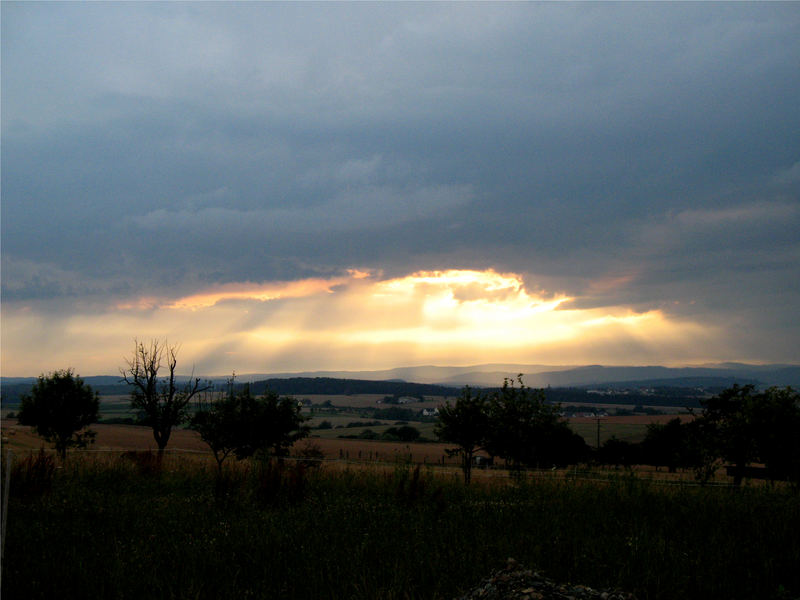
x=299, y=186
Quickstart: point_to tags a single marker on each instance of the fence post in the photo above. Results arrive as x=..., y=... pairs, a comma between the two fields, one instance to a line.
x=5, y=503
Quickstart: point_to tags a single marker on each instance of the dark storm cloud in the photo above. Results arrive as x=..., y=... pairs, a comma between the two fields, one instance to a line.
x=640, y=154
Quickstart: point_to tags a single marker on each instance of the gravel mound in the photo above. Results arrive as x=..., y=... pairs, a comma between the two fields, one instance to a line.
x=517, y=583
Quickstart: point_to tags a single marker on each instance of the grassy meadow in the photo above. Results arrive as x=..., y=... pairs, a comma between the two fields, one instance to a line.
x=111, y=526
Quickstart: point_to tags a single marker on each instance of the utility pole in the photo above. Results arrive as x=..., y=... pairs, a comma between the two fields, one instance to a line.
x=597, y=418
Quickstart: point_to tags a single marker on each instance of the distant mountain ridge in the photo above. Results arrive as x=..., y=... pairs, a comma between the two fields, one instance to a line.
x=779, y=375
x=492, y=375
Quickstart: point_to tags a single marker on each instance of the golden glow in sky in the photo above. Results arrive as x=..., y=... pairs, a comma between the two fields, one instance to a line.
x=356, y=321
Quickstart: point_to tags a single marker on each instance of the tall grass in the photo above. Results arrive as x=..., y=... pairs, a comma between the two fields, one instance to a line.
x=114, y=529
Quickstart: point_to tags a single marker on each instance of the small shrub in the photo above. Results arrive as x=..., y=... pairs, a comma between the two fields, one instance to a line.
x=311, y=455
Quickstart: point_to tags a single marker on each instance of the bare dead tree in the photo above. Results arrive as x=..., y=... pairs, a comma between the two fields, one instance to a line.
x=161, y=401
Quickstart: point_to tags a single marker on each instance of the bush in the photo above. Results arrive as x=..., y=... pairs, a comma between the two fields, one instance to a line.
x=311, y=454
x=368, y=434
x=406, y=433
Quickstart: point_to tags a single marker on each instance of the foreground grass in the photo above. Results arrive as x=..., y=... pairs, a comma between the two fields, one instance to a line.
x=112, y=529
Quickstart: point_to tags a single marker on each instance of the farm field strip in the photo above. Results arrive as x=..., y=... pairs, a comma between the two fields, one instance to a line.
x=133, y=437
x=343, y=453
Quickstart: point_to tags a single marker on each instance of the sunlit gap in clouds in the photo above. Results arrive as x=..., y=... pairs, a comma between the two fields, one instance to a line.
x=460, y=307
x=360, y=321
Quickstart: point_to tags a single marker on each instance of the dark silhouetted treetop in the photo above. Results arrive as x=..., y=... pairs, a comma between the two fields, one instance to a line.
x=243, y=424
x=466, y=424
x=60, y=407
x=519, y=421
x=741, y=426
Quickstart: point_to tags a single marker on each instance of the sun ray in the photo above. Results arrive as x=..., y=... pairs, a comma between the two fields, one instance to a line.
x=360, y=320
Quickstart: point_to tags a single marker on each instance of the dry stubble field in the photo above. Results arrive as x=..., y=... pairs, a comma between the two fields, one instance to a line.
x=134, y=437
x=120, y=438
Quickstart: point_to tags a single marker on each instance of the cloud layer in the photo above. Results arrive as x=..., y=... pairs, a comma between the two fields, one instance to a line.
x=638, y=159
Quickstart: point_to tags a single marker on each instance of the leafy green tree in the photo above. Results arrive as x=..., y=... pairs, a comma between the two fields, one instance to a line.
x=561, y=446
x=514, y=423
x=700, y=448
x=666, y=445
x=243, y=424
x=741, y=426
x=520, y=422
x=219, y=424
x=276, y=425
x=60, y=407
x=270, y=424
x=618, y=452
x=466, y=424
x=728, y=416
x=405, y=433
x=162, y=402
x=776, y=427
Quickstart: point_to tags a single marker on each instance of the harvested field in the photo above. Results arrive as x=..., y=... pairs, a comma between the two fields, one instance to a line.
x=627, y=428
x=349, y=452
x=109, y=437
x=133, y=437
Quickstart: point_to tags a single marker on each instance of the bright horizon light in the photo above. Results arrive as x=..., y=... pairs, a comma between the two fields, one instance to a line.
x=357, y=321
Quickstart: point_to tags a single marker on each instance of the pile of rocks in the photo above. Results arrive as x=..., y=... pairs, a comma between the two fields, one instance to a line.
x=516, y=583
